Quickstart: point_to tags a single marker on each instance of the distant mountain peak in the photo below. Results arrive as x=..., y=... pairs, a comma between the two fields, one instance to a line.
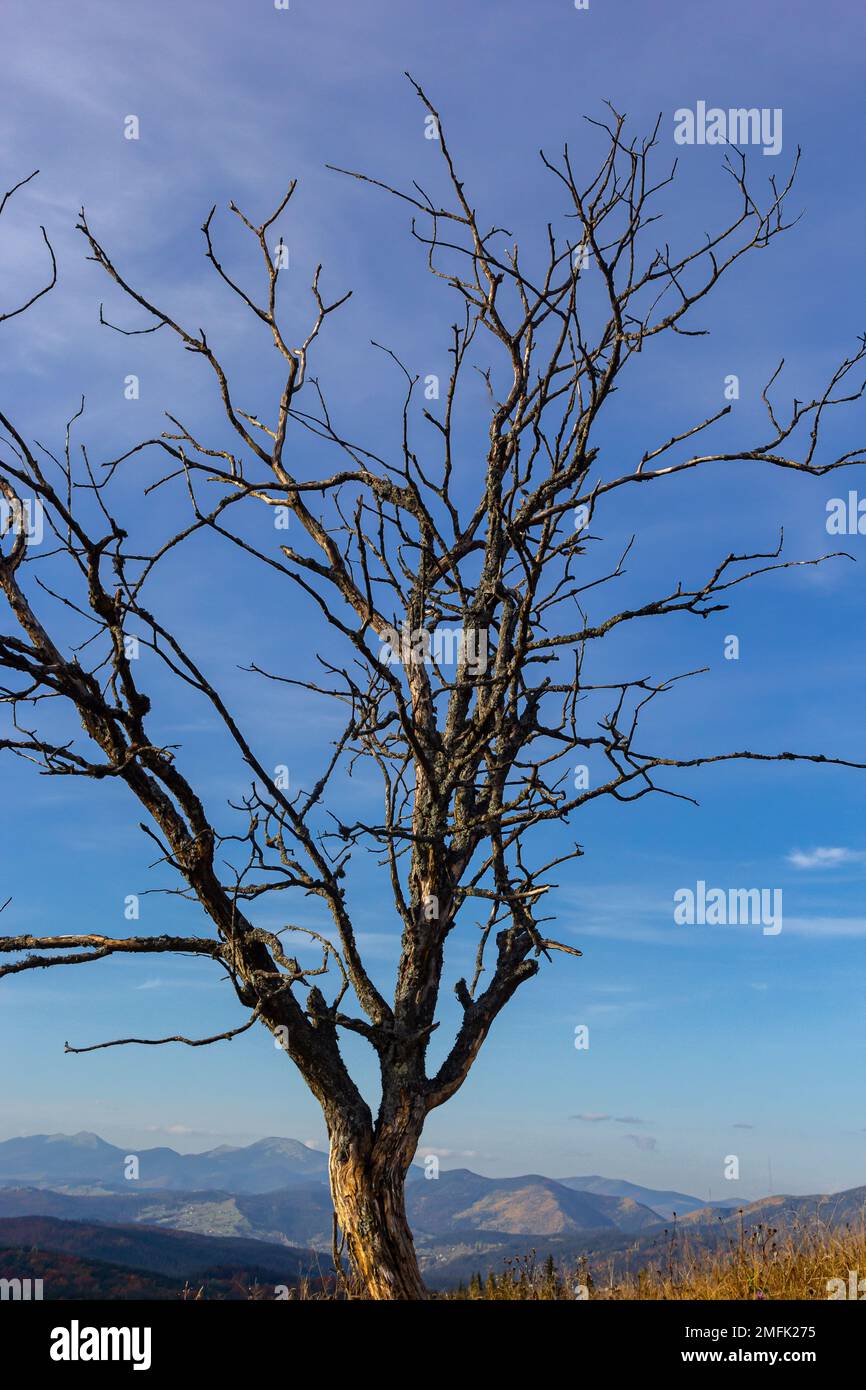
x=66, y=1162
x=82, y=1139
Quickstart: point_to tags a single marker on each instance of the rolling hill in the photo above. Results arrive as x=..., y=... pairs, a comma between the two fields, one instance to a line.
x=302, y=1215
x=175, y=1254
x=665, y=1204
x=533, y=1205
x=71, y=1277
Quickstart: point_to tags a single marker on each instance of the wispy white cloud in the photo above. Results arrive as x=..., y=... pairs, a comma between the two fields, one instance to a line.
x=181, y=1131
x=433, y=1151
x=826, y=926
x=592, y=1118
x=825, y=857
x=180, y=981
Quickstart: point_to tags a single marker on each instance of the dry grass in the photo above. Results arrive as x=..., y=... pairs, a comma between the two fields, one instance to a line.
x=759, y=1263
x=762, y=1263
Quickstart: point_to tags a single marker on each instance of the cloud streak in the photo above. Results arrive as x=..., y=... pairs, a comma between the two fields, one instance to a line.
x=826, y=857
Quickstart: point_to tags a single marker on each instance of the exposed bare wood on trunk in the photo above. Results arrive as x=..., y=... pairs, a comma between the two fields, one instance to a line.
x=369, y=1202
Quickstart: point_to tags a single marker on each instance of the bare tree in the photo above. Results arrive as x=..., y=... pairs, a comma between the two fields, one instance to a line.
x=475, y=746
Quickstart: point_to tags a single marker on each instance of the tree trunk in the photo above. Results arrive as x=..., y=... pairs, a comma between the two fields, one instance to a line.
x=371, y=1213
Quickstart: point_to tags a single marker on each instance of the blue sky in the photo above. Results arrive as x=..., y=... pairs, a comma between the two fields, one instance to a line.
x=704, y=1042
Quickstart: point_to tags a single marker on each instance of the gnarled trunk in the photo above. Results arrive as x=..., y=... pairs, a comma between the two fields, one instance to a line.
x=370, y=1207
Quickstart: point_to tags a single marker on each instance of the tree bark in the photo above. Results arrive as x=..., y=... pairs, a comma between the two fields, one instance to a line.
x=369, y=1203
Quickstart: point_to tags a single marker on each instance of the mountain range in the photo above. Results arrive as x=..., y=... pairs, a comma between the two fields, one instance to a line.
x=69, y=1161
x=239, y=1215
x=85, y=1163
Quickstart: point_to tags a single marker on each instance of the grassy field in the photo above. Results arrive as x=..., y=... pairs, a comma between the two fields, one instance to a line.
x=762, y=1263
x=759, y=1264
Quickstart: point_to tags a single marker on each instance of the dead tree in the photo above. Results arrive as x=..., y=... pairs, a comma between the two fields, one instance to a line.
x=475, y=753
